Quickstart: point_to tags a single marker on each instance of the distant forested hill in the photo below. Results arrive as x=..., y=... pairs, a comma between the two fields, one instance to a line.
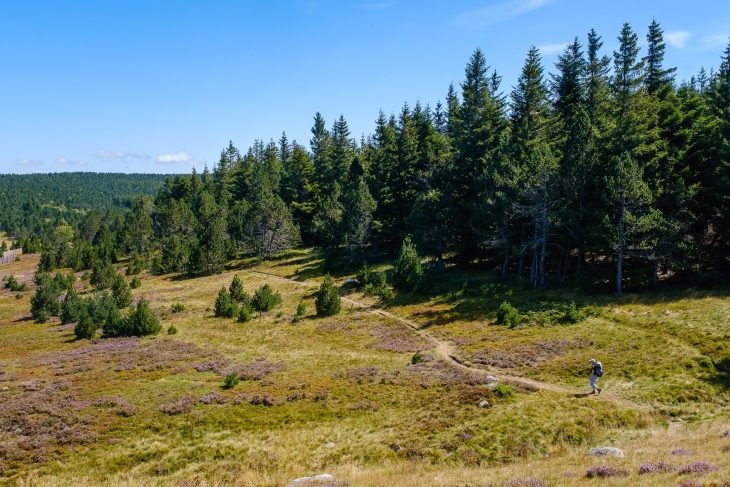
x=32, y=203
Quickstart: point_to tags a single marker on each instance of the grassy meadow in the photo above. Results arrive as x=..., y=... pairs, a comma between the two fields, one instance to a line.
x=341, y=395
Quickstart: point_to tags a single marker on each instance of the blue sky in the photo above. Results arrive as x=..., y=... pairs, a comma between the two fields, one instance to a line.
x=160, y=86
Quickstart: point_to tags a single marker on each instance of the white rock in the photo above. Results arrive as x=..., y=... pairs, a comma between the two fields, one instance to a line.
x=306, y=480
x=606, y=451
x=492, y=385
x=484, y=404
x=491, y=378
x=329, y=444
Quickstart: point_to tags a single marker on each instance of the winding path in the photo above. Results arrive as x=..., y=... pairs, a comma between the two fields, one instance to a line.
x=447, y=352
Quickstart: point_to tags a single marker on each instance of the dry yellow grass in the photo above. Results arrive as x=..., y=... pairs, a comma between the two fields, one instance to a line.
x=345, y=399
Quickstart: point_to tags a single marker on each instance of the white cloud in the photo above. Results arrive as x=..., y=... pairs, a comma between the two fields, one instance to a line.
x=174, y=158
x=678, y=38
x=491, y=14
x=549, y=49
x=106, y=154
x=66, y=162
x=716, y=41
x=29, y=162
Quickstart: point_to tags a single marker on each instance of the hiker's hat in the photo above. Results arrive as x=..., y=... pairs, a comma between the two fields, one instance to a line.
x=593, y=361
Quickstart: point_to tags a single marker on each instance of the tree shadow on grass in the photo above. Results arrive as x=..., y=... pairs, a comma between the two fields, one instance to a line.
x=722, y=376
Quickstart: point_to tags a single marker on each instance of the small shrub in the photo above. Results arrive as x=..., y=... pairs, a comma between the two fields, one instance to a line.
x=508, y=315
x=104, y=312
x=224, y=305
x=140, y=321
x=230, y=381
x=301, y=309
x=572, y=315
x=121, y=292
x=177, y=307
x=245, y=314
x=603, y=471
x=407, y=269
x=172, y=330
x=12, y=284
x=417, y=358
x=85, y=328
x=328, y=301
x=661, y=467
x=503, y=391
x=135, y=282
x=265, y=299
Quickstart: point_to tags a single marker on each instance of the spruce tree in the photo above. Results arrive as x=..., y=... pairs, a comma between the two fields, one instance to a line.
x=358, y=209
x=224, y=305
x=407, y=269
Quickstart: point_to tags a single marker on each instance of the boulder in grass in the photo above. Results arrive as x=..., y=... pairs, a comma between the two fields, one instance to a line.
x=303, y=481
x=606, y=451
x=726, y=434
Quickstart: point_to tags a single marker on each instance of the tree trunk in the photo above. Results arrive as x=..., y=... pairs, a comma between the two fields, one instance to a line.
x=654, y=273
x=543, y=243
x=523, y=249
x=505, y=239
x=620, y=253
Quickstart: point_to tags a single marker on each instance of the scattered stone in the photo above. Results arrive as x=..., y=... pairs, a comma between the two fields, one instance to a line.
x=329, y=444
x=484, y=404
x=308, y=480
x=726, y=434
x=606, y=451
x=492, y=386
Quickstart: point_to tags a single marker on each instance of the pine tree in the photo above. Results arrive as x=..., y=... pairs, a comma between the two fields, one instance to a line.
x=236, y=290
x=657, y=78
x=328, y=301
x=358, y=208
x=407, y=269
x=224, y=305
x=121, y=292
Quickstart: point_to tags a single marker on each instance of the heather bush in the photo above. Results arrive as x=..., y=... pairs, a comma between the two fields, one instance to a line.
x=225, y=307
x=265, y=299
x=177, y=307
x=526, y=482
x=407, y=269
x=661, y=467
x=121, y=291
x=301, y=309
x=328, y=301
x=603, y=471
x=508, y=315
x=172, y=330
x=698, y=468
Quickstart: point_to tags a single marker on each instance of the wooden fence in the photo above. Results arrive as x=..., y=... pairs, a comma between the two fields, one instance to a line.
x=10, y=255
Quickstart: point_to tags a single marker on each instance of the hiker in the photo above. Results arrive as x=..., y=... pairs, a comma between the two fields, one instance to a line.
x=596, y=372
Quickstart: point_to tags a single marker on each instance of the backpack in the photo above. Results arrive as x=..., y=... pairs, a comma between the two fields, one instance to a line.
x=598, y=369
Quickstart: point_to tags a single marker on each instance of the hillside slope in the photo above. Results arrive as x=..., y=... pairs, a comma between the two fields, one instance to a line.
x=341, y=395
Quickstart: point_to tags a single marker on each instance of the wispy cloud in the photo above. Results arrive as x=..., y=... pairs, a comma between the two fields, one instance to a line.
x=29, y=162
x=716, y=41
x=499, y=12
x=550, y=49
x=106, y=154
x=178, y=158
x=678, y=38
x=67, y=162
